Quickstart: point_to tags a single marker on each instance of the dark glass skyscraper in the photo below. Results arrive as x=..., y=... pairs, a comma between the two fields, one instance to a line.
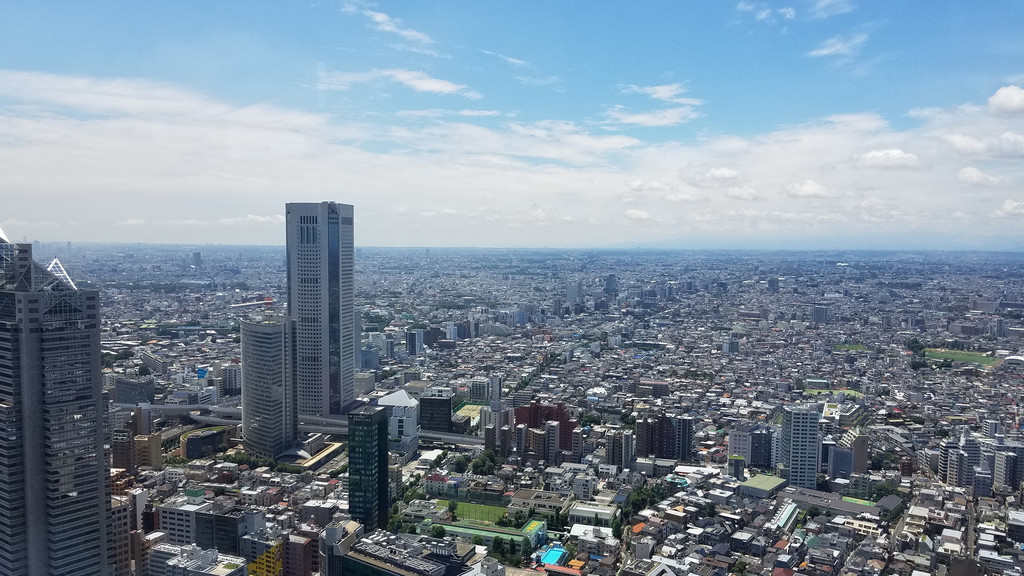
x=321, y=300
x=54, y=499
x=369, y=492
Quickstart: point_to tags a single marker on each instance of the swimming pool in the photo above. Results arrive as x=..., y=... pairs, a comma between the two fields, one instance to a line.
x=553, y=556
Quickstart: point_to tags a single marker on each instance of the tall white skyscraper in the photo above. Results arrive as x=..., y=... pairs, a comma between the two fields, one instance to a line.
x=269, y=412
x=321, y=301
x=799, y=450
x=54, y=495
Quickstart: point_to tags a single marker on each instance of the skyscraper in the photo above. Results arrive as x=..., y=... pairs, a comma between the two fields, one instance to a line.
x=369, y=492
x=269, y=414
x=321, y=301
x=54, y=496
x=799, y=447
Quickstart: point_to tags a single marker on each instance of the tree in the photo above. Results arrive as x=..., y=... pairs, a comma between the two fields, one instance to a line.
x=617, y=527
x=710, y=510
x=915, y=346
x=478, y=540
x=461, y=464
x=498, y=546
x=740, y=567
x=437, y=531
x=453, y=506
x=144, y=370
x=440, y=459
x=883, y=490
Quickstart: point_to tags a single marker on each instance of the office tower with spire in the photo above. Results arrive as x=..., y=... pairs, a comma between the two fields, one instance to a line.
x=54, y=495
x=321, y=301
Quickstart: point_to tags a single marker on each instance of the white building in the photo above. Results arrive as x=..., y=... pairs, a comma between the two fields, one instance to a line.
x=194, y=561
x=177, y=517
x=403, y=423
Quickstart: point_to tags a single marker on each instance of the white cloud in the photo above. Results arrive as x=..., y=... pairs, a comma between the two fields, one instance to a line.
x=253, y=219
x=1007, y=144
x=538, y=80
x=971, y=175
x=743, y=193
x=1009, y=208
x=655, y=118
x=764, y=13
x=638, y=215
x=840, y=46
x=685, y=198
x=385, y=23
x=965, y=144
x=479, y=113
x=1010, y=144
x=806, y=189
x=133, y=159
x=414, y=79
x=665, y=92
x=640, y=185
x=887, y=158
x=1007, y=100
x=827, y=8
x=703, y=176
x=507, y=59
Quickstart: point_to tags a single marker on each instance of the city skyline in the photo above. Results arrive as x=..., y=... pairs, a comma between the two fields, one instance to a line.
x=828, y=123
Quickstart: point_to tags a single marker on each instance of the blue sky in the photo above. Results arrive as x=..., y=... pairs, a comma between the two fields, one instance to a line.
x=817, y=123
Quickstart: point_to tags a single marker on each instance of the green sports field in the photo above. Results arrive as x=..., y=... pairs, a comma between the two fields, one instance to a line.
x=960, y=356
x=478, y=512
x=849, y=347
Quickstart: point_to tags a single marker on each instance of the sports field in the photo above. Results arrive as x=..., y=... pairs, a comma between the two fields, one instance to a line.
x=960, y=356
x=816, y=391
x=478, y=512
x=849, y=347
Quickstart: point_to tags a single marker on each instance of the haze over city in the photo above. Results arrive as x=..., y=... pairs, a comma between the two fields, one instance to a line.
x=751, y=124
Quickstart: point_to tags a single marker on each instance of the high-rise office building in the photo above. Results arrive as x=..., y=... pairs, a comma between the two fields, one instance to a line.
x=54, y=495
x=819, y=314
x=761, y=449
x=321, y=301
x=436, y=405
x=269, y=411
x=799, y=447
x=369, y=492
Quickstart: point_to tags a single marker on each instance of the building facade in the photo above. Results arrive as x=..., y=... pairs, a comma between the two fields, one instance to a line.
x=800, y=444
x=54, y=497
x=321, y=300
x=269, y=398
x=369, y=490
